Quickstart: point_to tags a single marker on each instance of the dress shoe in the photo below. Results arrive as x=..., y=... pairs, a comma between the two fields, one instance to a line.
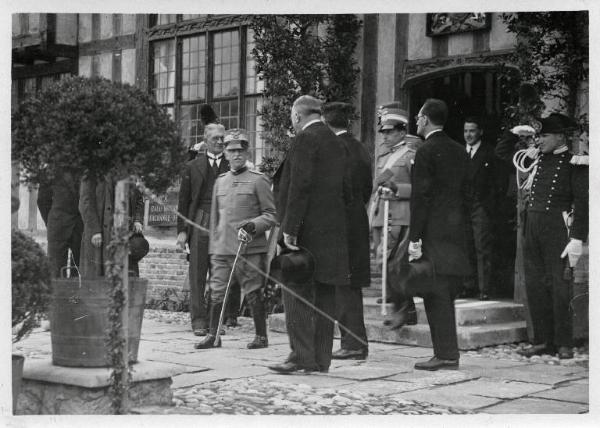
x=436, y=363
x=288, y=367
x=210, y=341
x=536, y=350
x=231, y=322
x=200, y=331
x=258, y=342
x=401, y=317
x=350, y=354
x=565, y=353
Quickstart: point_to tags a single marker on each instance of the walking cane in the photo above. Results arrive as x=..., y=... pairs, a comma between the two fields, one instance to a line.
x=386, y=211
x=237, y=256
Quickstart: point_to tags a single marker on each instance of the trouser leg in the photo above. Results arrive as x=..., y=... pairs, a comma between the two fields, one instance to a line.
x=251, y=283
x=300, y=323
x=349, y=314
x=439, y=306
x=537, y=281
x=483, y=247
x=561, y=290
x=75, y=245
x=58, y=250
x=197, y=277
x=323, y=335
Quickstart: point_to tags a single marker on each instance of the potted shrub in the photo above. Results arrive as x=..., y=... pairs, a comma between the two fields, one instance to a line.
x=30, y=295
x=98, y=129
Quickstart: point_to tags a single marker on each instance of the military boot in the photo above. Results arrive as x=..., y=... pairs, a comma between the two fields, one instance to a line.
x=259, y=315
x=210, y=340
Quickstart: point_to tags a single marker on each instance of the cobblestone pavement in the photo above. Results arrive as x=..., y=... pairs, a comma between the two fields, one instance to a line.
x=234, y=380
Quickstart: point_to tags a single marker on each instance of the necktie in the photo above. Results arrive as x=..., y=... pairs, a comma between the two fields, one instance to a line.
x=215, y=166
x=471, y=152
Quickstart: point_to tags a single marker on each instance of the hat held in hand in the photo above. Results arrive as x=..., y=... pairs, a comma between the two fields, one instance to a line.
x=138, y=246
x=293, y=266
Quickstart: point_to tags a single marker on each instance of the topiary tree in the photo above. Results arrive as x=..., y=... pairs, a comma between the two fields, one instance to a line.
x=297, y=55
x=98, y=128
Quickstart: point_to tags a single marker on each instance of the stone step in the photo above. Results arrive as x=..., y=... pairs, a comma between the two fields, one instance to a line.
x=469, y=337
x=468, y=311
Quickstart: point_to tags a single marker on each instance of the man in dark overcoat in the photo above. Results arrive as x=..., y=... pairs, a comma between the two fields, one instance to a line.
x=195, y=197
x=437, y=228
x=349, y=299
x=482, y=202
x=312, y=195
x=96, y=205
x=58, y=203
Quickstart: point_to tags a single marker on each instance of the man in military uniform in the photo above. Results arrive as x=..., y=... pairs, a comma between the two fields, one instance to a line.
x=556, y=226
x=393, y=183
x=243, y=209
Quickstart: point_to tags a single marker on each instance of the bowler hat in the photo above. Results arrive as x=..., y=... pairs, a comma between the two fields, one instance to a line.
x=414, y=278
x=236, y=138
x=138, y=246
x=293, y=266
x=392, y=117
x=555, y=123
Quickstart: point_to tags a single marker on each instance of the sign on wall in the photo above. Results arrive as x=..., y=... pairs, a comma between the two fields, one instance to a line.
x=439, y=24
x=162, y=211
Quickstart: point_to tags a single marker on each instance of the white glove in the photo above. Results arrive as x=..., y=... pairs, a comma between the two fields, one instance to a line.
x=414, y=251
x=532, y=152
x=244, y=236
x=574, y=249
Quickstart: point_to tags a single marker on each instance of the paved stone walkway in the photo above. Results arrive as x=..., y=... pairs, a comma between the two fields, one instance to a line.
x=234, y=380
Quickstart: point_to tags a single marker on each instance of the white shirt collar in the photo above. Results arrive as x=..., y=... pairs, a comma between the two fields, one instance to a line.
x=475, y=147
x=213, y=156
x=433, y=132
x=310, y=123
x=343, y=131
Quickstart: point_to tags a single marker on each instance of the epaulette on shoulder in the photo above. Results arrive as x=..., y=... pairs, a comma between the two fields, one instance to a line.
x=580, y=160
x=256, y=172
x=223, y=175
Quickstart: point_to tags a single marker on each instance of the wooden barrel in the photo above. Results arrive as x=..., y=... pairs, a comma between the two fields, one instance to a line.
x=79, y=320
x=17, y=379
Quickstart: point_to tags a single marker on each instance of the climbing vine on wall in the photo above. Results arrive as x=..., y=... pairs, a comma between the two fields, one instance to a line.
x=552, y=54
x=298, y=55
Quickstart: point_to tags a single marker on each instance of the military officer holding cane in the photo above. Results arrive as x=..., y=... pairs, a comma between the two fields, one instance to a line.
x=242, y=210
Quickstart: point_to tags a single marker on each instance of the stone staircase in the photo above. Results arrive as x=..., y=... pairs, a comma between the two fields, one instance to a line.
x=478, y=324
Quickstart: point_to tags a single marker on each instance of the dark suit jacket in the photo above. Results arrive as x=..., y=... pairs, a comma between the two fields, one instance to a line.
x=358, y=221
x=438, y=203
x=481, y=178
x=195, y=190
x=312, y=195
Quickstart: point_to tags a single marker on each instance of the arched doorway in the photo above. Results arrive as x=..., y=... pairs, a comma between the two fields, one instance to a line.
x=475, y=90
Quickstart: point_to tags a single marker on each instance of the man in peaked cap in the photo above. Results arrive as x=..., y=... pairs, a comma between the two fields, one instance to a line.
x=349, y=298
x=242, y=210
x=393, y=183
x=556, y=226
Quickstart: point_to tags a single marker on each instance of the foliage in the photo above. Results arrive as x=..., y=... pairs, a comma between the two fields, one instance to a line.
x=552, y=53
x=30, y=283
x=171, y=299
x=298, y=55
x=115, y=341
x=96, y=126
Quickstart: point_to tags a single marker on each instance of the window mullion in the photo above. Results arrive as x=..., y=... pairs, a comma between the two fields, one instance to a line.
x=242, y=77
x=178, y=77
x=209, y=69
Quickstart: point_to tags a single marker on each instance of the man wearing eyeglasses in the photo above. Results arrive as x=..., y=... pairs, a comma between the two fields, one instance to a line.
x=437, y=227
